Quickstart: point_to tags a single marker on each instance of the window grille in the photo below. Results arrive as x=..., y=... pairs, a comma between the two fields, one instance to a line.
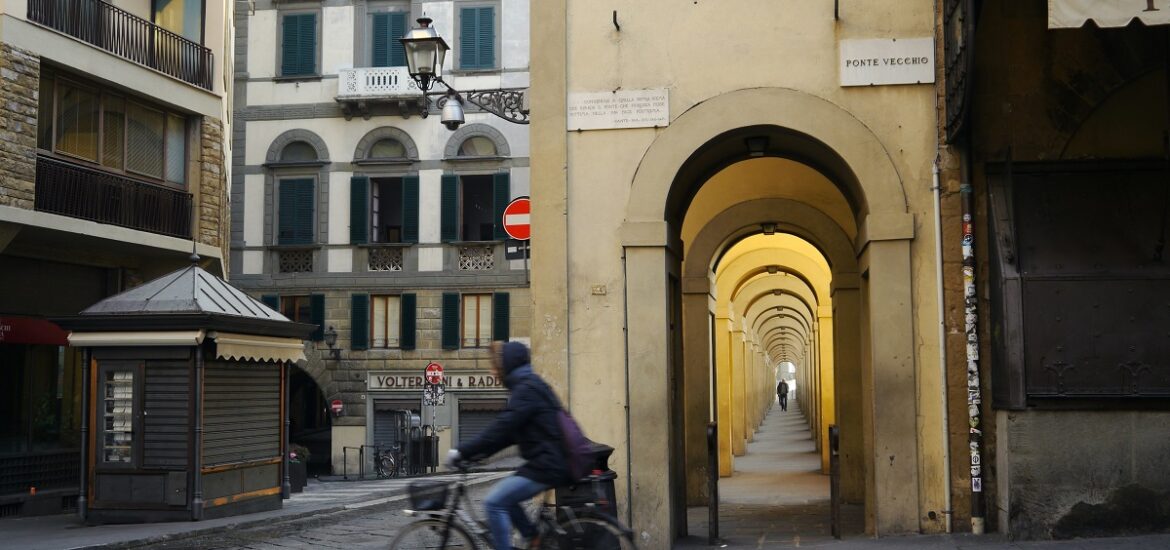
x=385, y=259
x=296, y=261
x=476, y=258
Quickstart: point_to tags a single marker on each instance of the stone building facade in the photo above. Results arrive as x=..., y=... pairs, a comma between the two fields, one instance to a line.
x=111, y=173
x=353, y=210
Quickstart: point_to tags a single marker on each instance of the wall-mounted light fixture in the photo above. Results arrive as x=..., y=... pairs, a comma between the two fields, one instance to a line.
x=331, y=341
x=756, y=145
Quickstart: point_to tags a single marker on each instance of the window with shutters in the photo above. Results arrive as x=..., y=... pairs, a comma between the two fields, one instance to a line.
x=472, y=207
x=295, y=210
x=386, y=27
x=478, y=47
x=385, y=322
x=386, y=210
x=107, y=128
x=477, y=320
x=298, y=44
x=296, y=308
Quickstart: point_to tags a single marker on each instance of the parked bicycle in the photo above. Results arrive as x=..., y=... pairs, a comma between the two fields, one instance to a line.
x=447, y=520
x=386, y=462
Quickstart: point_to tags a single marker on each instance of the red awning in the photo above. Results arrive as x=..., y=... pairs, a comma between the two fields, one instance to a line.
x=1064, y=14
x=31, y=330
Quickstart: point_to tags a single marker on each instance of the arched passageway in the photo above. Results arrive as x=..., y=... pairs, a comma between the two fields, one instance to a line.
x=310, y=422
x=718, y=188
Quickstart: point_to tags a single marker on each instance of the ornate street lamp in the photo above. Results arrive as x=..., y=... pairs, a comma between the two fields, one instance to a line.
x=425, y=52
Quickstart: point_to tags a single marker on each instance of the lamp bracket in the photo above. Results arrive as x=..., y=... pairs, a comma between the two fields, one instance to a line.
x=506, y=103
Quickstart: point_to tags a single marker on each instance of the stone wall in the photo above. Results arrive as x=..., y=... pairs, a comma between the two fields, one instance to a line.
x=213, y=223
x=20, y=73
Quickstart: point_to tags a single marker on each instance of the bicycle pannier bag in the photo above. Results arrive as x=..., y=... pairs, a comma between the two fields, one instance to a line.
x=577, y=450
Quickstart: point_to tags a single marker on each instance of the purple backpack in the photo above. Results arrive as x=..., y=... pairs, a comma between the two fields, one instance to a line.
x=576, y=446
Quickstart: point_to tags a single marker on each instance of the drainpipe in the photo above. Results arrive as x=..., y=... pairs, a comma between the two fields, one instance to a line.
x=970, y=315
x=82, y=505
x=942, y=341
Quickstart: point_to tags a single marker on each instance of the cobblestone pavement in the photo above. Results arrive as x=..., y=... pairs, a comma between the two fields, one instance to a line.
x=355, y=529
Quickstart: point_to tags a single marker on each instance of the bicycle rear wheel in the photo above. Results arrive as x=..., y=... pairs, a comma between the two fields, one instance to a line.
x=590, y=532
x=429, y=534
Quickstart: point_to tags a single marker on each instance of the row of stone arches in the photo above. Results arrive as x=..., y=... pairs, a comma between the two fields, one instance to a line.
x=388, y=143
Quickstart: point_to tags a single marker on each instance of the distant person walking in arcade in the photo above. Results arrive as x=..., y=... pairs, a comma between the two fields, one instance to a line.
x=782, y=393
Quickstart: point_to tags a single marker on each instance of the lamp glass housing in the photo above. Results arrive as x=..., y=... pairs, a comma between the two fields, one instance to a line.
x=425, y=53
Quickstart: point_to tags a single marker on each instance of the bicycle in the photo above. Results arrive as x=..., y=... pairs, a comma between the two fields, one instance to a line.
x=448, y=521
x=385, y=464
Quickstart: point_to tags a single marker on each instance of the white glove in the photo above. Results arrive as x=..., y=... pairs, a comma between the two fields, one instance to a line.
x=453, y=458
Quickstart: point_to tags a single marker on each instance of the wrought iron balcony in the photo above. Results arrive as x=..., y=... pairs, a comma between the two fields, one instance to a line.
x=358, y=88
x=126, y=35
x=92, y=194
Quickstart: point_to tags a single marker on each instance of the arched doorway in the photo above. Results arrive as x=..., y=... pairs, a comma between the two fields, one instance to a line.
x=310, y=421
x=669, y=282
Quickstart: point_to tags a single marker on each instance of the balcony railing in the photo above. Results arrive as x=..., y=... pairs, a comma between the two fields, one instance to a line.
x=380, y=82
x=126, y=35
x=91, y=194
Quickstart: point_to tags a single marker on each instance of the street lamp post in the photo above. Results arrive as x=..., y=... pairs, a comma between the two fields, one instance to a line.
x=425, y=52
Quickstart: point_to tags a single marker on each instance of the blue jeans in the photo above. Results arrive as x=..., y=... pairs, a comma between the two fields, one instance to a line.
x=502, y=506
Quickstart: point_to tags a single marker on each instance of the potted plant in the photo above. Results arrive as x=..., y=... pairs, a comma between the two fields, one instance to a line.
x=298, y=466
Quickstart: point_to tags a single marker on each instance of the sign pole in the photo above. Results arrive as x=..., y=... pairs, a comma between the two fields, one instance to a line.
x=526, y=244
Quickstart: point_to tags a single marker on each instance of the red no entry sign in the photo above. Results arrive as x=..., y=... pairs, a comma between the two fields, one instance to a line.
x=516, y=217
x=434, y=373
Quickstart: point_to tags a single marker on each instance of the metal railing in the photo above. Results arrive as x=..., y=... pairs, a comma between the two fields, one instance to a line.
x=126, y=35
x=91, y=194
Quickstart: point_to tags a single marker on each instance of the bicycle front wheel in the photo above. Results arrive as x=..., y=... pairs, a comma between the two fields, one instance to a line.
x=433, y=534
x=591, y=532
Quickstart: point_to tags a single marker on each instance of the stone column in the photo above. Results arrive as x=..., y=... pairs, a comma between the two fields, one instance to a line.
x=739, y=434
x=696, y=385
x=723, y=336
x=824, y=351
x=846, y=350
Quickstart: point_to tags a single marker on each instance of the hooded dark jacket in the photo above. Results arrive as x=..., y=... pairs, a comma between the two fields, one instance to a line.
x=529, y=420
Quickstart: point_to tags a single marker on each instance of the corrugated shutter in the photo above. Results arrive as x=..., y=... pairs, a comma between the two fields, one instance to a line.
x=449, y=209
x=408, y=316
x=410, y=209
x=501, y=195
x=386, y=428
x=450, y=320
x=476, y=416
x=296, y=211
x=501, y=314
x=359, y=210
x=317, y=316
x=359, y=322
x=165, y=419
x=241, y=413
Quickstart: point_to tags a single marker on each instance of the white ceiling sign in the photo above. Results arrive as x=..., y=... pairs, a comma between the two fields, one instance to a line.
x=1063, y=14
x=620, y=109
x=887, y=61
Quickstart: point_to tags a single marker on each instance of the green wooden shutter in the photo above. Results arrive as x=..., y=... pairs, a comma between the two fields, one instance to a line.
x=296, y=211
x=407, y=307
x=410, y=209
x=501, y=195
x=359, y=322
x=487, y=37
x=398, y=29
x=272, y=301
x=449, y=209
x=308, y=45
x=317, y=316
x=299, y=44
x=359, y=210
x=501, y=315
x=450, y=320
x=468, y=39
x=381, y=54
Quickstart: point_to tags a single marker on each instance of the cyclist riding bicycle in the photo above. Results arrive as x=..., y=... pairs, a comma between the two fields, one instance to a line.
x=530, y=422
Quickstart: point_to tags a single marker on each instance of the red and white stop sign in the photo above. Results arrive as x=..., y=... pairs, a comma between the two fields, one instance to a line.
x=434, y=373
x=516, y=217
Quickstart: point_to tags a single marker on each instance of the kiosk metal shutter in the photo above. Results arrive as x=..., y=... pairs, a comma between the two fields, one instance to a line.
x=389, y=416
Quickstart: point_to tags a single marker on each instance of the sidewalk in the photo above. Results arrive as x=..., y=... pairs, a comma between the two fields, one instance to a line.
x=777, y=498
x=65, y=531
